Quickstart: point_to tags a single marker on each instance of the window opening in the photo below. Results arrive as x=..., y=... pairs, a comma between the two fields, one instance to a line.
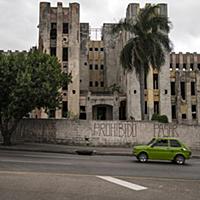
x=183, y=90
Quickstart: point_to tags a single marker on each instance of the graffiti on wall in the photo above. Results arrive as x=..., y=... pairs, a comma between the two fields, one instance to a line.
x=125, y=129
x=165, y=130
x=37, y=130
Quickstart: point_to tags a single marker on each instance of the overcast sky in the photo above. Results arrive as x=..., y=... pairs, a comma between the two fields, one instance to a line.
x=19, y=20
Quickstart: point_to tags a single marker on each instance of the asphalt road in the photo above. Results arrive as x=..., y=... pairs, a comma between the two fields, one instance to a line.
x=35, y=176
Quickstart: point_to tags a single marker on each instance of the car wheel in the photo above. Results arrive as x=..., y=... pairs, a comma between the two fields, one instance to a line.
x=179, y=159
x=142, y=157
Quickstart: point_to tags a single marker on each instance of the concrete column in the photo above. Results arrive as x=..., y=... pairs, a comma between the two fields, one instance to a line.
x=195, y=61
x=58, y=113
x=198, y=95
x=180, y=61
x=74, y=60
x=173, y=61
x=89, y=107
x=133, y=96
x=188, y=97
x=165, y=89
x=59, y=47
x=44, y=27
x=150, y=97
x=116, y=106
x=188, y=61
x=178, y=96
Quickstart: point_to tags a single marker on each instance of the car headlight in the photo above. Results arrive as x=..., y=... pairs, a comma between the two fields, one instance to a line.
x=184, y=149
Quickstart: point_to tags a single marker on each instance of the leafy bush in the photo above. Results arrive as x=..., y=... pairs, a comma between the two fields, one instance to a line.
x=159, y=118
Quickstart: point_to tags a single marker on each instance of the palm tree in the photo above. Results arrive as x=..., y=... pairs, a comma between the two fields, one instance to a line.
x=148, y=44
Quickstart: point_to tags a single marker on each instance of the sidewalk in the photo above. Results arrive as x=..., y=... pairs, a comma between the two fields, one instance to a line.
x=57, y=148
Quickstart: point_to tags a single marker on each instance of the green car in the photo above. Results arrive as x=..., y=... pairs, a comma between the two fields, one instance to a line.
x=163, y=149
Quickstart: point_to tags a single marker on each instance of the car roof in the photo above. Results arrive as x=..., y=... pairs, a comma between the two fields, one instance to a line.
x=168, y=138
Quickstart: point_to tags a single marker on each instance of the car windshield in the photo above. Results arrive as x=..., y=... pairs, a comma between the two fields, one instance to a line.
x=151, y=142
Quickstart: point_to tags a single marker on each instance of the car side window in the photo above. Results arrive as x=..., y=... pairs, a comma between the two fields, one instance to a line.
x=161, y=143
x=174, y=143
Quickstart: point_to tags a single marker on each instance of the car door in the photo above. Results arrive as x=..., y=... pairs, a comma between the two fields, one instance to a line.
x=160, y=150
x=175, y=147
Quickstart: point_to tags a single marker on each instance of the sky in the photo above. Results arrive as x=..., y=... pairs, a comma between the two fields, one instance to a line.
x=19, y=20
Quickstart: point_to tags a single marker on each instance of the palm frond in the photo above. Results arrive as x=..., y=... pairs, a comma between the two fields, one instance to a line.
x=126, y=55
x=123, y=25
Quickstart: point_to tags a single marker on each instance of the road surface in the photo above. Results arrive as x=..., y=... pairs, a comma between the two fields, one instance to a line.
x=50, y=176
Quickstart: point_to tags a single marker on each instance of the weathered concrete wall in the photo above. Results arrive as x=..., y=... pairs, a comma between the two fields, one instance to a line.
x=104, y=133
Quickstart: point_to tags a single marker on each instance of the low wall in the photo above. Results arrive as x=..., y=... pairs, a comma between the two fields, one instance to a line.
x=103, y=133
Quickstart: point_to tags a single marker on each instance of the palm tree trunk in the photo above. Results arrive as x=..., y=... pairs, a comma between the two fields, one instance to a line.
x=142, y=97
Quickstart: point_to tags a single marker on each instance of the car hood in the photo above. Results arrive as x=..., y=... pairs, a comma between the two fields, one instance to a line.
x=140, y=146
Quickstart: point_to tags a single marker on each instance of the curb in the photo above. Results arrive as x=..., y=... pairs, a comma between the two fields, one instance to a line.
x=94, y=152
x=75, y=151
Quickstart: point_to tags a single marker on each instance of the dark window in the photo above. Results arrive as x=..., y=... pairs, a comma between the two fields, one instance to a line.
x=65, y=54
x=102, y=67
x=90, y=66
x=145, y=109
x=96, y=84
x=145, y=80
x=53, y=31
x=184, y=116
x=155, y=81
x=173, y=111
x=191, y=66
x=52, y=113
x=64, y=109
x=184, y=66
x=96, y=49
x=82, y=108
x=102, y=49
x=96, y=67
x=198, y=65
x=65, y=87
x=83, y=116
x=65, y=28
x=194, y=110
x=171, y=66
x=91, y=84
x=183, y=90
x=91, y=49
x=173, y=88
x=102, y=84
x=174, y=143
x=156, y=107
x=53, y=51
x=161, y=143
x=192, y=88
x=82, y=112
x=177, y=66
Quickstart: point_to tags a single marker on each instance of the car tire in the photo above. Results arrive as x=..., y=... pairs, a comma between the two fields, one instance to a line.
x=179, y=159
x=142, y=157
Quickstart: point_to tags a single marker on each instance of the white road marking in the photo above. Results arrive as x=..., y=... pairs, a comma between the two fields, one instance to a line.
x=123, y=183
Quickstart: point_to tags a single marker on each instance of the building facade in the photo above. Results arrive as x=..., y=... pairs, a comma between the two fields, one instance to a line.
x=101, y=89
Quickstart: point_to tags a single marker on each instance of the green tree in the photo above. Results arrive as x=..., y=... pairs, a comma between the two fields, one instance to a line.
x=148, y=44
x=27, y=81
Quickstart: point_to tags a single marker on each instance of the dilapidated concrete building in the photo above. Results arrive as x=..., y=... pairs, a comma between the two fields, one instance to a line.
x=185, y=87
x=101, y=89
